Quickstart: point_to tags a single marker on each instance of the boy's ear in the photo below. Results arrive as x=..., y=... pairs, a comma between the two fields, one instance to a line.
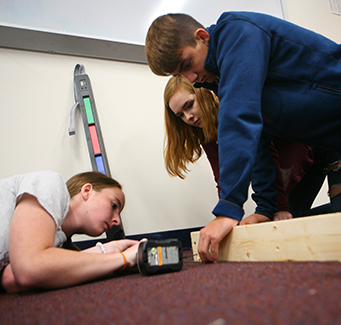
x=202, y=34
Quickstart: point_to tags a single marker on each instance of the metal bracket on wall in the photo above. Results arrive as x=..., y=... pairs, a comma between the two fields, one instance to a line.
x=84, y=99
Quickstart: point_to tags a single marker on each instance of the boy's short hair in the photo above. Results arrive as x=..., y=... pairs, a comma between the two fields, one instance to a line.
x=166, y=37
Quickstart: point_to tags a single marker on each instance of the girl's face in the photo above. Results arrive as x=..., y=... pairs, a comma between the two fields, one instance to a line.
x=102, y=210
x=185, y=106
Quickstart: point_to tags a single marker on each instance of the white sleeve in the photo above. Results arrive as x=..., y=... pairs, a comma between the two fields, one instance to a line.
x=51, y=192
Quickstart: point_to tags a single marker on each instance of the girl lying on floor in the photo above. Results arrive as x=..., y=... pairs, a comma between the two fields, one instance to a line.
x=39, y=212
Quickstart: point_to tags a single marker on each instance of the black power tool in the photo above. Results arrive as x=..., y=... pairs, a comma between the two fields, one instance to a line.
x=159, y=256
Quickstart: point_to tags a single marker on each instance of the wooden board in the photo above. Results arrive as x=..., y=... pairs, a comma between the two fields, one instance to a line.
x=316, y=238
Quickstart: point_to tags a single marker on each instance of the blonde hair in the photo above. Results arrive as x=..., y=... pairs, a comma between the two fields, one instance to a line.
x=166, y=37
x=183, y=142
x=98, y=181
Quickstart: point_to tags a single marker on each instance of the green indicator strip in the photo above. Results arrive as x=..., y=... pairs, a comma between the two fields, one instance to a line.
x=88, y=110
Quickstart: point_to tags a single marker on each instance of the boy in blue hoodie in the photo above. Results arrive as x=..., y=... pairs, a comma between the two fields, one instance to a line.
x=275, y=79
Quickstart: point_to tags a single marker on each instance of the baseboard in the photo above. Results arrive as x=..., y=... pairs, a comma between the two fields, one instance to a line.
x=184, y=235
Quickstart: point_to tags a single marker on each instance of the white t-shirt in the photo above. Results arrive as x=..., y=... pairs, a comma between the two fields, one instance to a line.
x=51, y=192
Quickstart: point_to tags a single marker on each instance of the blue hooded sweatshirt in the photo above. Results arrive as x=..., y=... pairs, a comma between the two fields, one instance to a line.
x=275, y=78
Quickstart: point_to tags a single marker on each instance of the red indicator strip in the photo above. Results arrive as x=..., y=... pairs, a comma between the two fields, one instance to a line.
x=100, y=165
x=94, y=139
x=88, y=110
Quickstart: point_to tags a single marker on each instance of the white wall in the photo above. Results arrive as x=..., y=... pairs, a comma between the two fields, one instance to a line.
x=123, y=21
x=314, y=15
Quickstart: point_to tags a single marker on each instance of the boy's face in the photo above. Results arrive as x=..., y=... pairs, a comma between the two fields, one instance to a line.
x=192, y=61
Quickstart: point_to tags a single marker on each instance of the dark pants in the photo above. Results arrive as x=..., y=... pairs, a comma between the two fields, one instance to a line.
x=303, y=195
